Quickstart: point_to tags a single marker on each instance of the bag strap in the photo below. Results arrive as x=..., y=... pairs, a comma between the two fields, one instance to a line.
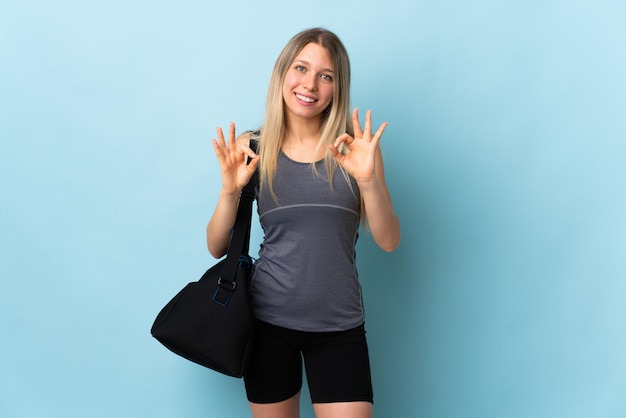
x=240, y=240
x=247, y=196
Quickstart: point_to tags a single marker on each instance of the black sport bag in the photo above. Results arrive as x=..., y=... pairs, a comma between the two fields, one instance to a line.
x=209, y=321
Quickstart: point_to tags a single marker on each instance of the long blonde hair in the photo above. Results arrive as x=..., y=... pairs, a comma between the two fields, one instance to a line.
x=336, y=118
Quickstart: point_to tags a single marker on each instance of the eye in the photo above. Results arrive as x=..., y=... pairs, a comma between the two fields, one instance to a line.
x=300, y=68
x=326, y=77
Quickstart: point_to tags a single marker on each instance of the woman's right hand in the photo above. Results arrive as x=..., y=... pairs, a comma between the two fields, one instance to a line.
x=235, y=169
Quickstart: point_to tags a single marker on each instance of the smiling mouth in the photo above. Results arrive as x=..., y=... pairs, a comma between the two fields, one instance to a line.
x=305, y=99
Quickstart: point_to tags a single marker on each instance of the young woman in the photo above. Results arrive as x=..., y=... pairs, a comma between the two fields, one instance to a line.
x=321, y=174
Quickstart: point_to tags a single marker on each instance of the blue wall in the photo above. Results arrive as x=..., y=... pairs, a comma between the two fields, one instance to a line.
x=505, y=157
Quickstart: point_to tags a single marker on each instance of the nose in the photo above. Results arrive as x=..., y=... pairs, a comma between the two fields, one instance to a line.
x=309, y=81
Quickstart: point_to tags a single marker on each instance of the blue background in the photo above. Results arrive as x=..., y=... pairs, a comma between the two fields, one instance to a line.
x=505, y=157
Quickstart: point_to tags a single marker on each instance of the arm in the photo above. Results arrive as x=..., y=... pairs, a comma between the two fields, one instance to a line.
x=236, y=173
x=365, y=164
x=220, y=225
x=381, y=217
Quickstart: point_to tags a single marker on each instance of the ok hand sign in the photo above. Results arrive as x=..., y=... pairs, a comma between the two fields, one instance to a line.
x=360, y=161
x=236, y=172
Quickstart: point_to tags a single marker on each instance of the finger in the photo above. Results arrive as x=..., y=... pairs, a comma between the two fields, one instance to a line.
x=343, y=138
x=248, y=151
x=334, y=152
x=358, y=133
x=231, y=137
x=220, y=137
x=219, y=152
x=368, y=124
x=253, y=164
x=220, y=146
x=379, y=132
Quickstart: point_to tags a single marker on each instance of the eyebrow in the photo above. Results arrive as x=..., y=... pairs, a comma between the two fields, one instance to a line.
x=328, y=70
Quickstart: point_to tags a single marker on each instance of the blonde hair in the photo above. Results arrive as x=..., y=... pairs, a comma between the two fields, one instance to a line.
x=336, y=118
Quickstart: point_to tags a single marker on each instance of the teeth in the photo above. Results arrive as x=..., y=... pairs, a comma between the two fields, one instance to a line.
x=305, y=99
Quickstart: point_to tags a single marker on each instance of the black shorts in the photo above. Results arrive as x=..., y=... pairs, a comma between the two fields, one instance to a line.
x=337, y=365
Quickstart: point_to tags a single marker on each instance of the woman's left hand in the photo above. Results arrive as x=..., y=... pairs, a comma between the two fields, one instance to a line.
x=360, y=162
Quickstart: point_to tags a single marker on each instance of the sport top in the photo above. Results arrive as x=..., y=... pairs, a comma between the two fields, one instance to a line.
x=306, y=278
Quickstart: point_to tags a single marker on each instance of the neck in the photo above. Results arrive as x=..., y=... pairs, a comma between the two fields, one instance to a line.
x=301, y=142
x=303, y=129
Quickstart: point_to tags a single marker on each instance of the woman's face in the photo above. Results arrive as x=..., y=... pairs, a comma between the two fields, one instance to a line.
x=308, y=84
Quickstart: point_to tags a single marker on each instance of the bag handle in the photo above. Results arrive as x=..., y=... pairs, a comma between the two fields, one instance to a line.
x=240, y=240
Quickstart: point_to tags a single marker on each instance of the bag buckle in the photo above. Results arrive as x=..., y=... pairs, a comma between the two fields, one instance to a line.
x=224, y=292
x=226, y=288
x=232, y=284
